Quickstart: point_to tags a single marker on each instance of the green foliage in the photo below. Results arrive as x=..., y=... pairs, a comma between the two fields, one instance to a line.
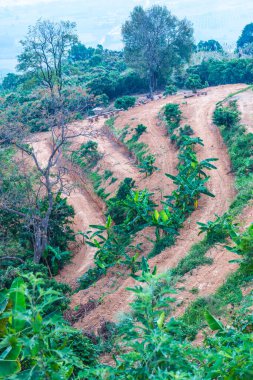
x=87, y=156
x=107, y=174
x=80, y=52
x=112, y=240
x=11, y=81
x=115, y=205
x=219, y=72
x=243, y=245
x=173, y=115
x=193, y=82
x=156, y=42
x=217, y=230
x=170, y=89
x=35, y=343
x=16, y=235
x=140, y=150
x=227, y=116
x=147, y=165
x=246, y=37
x=90, y=277
x=210, y=45
x=239, y=142
x=125, y=102
x=153, y=345
x=178, y=136
x=139, y=130
x=190, y=180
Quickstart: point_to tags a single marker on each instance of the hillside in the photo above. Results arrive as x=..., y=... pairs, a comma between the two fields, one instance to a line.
x=88, y=208
x=126, y=205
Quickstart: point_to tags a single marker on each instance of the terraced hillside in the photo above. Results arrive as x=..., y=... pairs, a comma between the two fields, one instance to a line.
x=109, y=292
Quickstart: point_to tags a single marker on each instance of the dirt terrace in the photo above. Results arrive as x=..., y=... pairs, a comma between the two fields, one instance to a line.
x=197, y=111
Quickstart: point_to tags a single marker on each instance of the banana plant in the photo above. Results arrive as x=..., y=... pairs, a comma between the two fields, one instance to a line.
x=138, y=205
x=147, y=165
x=243, y=245
x=131, y=262
x=163, y=221
x=104, y=239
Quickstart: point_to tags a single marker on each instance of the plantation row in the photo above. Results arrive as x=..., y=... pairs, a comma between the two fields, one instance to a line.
x=131, y=211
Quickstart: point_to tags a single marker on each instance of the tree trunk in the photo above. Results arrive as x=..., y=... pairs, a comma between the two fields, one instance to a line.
x=40, y=242
x=151, y=86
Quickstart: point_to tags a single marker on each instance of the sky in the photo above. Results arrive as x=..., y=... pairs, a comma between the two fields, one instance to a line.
x=99, y=21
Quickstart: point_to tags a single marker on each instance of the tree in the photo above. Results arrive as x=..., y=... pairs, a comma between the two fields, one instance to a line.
x=210, y=45
x=79, y=52
x=44, y=49
x=193, y=82
x=11, y=81
x=34, y=195
x=246, y=37
x=156, y=42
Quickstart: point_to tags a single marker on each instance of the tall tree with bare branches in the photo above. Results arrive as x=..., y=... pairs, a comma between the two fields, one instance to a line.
x=41, y=179
x=45, y=47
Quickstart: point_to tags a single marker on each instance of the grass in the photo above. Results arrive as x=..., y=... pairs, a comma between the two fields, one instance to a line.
x=234, y=94
x=229, y=293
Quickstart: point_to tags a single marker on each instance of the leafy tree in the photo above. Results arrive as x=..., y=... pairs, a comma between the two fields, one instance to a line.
x=218, y=72
x=125, y=102
x=193, y=82
x=156, y=42
x=11, y=81
x=79, y=52
x=246, y=37
x=44, y=49
x=210, y=45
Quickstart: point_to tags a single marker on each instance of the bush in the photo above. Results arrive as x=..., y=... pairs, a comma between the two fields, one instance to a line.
x=227, y=116
x=36, y=342
x=125, y=102
x=171, y=89
x=172, y=114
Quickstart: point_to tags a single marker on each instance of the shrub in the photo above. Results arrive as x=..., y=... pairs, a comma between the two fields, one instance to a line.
x=35, y=342
x=125, y=102
x=227, y=116
x=172, y=114
x=170, y=89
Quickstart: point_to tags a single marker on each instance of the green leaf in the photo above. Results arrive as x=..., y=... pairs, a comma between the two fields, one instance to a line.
x=213, y=323
x=156, y=215
x=37, y=323
x=14, y=353
x=160, y=321
x=3, y=302
x=164, y=216
x=8, y=368
x=17, y=298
